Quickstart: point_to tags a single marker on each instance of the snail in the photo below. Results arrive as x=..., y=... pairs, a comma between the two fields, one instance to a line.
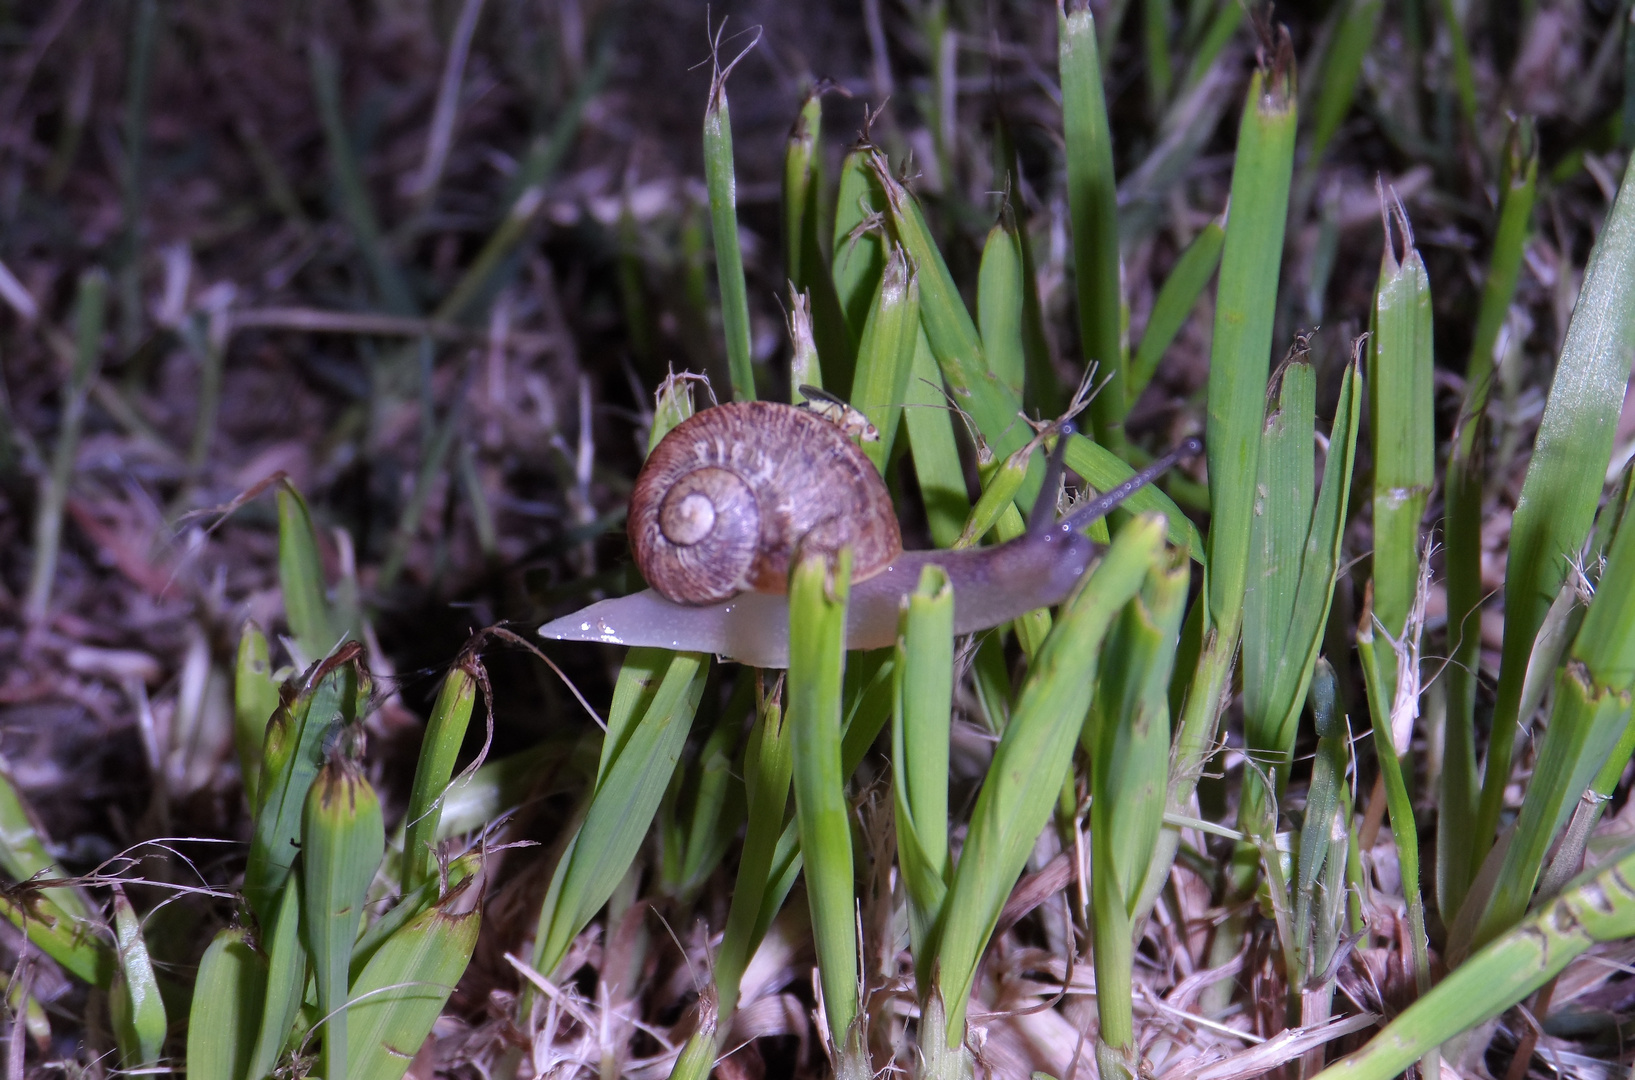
x=731, y=495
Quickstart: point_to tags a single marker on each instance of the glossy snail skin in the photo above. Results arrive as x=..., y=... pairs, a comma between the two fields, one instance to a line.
x=990, y=585
x=822, y=493
x=726, y=499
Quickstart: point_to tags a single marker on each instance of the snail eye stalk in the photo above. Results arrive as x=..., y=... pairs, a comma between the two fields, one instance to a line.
x=1109, y=500
x=1044, y=508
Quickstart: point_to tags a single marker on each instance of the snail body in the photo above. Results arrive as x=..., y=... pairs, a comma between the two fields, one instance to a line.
x=778, y=479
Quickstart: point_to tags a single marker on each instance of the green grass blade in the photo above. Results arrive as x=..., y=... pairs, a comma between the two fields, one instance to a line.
x=227, y=1000
x=999, y=302
x=859, y=251
x=1601, y=907
x=1402, y=425
x=445, y=732
x=653, y=705
x=301, y=579
x=1462, y=526
x=885, y=356
x=1030, y=761
x=134, y=1004
x=924, y=681
x=1175, y=301
x=1127, y=735
x=1092, y=201
x=804, y=259
x=255, y=699
x=818, y=591
x=937, y=467
x=1240, y=354
x=767, y=765
x=729, y=257
x=1160, y=73
x=1383, y=712
x=291, y=757
x=1589, y=715
x=403, y=988
x=286, y=980
x=1342, y=68
x=1564, y=477
x=1283, y=515
x=342, y=842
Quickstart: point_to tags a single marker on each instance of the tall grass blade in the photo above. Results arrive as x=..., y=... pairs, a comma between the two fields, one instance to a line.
x=1462, y=526
x=1127, y=735
x=1030, y=761
x=729, y=256
x=1564, y=477
x=924, y=683
x=445, y=732
x=1174, y=303
x=818, y=590
x=1092, y=200
x=653, y=705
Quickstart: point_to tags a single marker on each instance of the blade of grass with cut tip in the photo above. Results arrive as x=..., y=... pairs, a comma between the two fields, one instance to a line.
x=1126, y=733
x=923, y=677
x=804, y=259
x=859, y=254
x=1092, y=201
x=1030, y=761
x=885, y=354
x=1176, y=298
x=818, y=591
x=445, y=732
x=1564, y=477
x=729, y=256
x=227, y=1000
x=1402, y=426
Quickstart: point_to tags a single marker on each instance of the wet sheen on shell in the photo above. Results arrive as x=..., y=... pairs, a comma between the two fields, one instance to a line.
x=778, y=477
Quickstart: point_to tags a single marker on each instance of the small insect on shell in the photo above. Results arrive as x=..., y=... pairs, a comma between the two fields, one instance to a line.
x=728, y=497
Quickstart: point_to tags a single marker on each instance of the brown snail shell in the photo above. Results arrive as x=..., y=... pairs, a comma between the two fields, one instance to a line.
x=729, y=497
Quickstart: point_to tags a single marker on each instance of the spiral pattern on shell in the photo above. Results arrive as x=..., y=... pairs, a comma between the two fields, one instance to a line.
x=731, y=495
